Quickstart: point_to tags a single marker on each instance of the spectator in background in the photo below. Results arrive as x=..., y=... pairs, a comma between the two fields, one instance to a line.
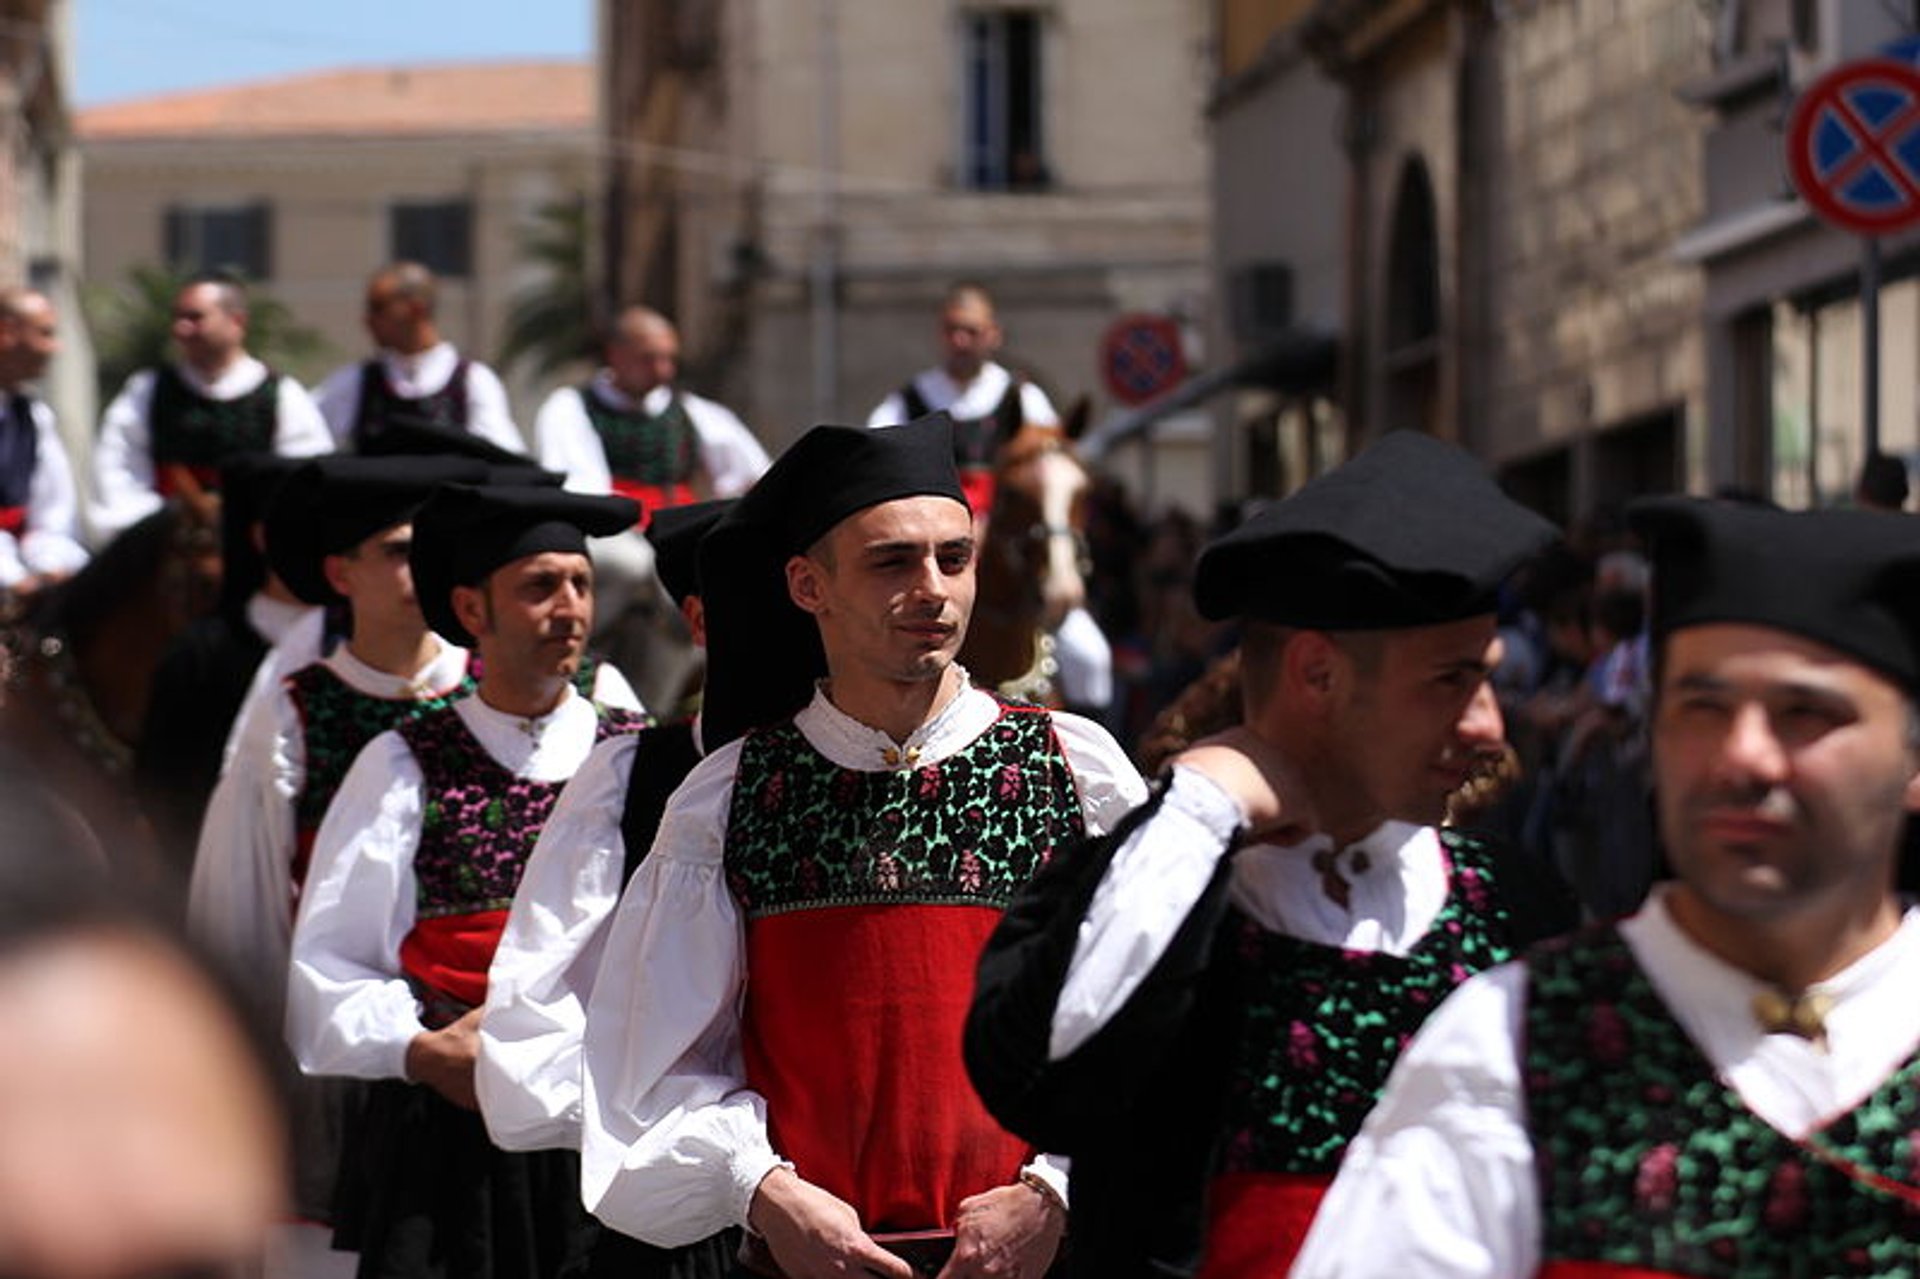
x=39, y=510
x=170, y=429
x=415, y=376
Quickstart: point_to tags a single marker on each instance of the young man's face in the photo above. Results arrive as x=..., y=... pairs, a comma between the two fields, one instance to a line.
x=1783, y=772
x=535, y=613
x=893, y=588
x=377, y=580
x=1412, y=717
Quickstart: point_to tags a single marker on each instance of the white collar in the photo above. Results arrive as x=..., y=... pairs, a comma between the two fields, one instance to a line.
x=440, y=674
x=1397, y=884
x=851, y=744
x=271, y=619
x=241, y=377
x=653, y=402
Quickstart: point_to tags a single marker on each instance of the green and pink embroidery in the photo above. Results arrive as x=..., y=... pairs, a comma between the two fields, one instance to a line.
x=1323, y=1025
x=803, y=832
x=479, y=821
x=1644, y=1157
x=338, y=720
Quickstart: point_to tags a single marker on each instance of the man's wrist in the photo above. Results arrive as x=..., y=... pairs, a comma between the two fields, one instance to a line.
x=1044, y=1188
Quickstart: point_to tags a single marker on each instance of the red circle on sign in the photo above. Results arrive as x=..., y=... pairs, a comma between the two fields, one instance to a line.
x=1829, y=103
x=1141, y=357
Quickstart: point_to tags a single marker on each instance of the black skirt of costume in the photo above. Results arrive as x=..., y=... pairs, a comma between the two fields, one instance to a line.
x=619, y=1256
x=441, y=1201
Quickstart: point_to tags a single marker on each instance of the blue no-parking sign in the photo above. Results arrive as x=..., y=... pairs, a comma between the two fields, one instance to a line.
x=1853, y=146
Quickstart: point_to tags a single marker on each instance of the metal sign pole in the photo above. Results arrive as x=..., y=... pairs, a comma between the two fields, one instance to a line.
x=1870, y=340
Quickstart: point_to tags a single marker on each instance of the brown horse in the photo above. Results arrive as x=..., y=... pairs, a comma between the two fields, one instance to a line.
x=1032, y=550
x=81, y=660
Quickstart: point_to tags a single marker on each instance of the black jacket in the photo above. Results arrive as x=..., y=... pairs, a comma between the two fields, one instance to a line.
x=1140, y=1107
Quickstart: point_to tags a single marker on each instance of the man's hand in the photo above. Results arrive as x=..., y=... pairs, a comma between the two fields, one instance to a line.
x=813, y=1235
x=1009, y=1232
x=1255, y=772
x=443, y=1059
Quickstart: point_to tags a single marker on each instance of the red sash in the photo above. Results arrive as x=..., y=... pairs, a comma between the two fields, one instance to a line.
x=449, y=954
x=13, y=519
x=977, y=483
x=654, y=497
x=1257, y=1221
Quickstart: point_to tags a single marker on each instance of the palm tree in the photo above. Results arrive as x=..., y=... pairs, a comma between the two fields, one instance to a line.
x=550, y=323
x=132, y=328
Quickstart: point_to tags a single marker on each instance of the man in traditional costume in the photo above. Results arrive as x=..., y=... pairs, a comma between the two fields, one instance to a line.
x=170, y=429
x=415, y=376
x=207, y=670
x=414, y=868
x=342, y=528
x=1199, y=1009
x=528, y=1073
x=632, y=429
x=39, y=508
x=773, y=1039
x=1722, y=1084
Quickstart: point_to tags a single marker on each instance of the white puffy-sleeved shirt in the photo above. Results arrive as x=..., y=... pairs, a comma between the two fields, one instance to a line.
x=123, y=492
x=489, y=415
x=528, y=1071
x=297, y=633
x=977, y=399
x=50, y=540
x=564, y=439
x=350, y=1010
x=240, y=898
x=674, y=1143
x=1441, y=1181
x=1397, y=876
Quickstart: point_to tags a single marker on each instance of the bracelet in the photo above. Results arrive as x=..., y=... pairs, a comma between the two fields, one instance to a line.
x=1044, y=1188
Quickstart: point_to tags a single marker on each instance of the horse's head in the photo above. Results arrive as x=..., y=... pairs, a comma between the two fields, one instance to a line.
x=1040, y=512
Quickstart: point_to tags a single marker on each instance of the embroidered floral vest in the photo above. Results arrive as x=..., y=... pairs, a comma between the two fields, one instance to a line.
x=480, y=821
x=868, y=896
x=1645, y=1159
x=1324, y=1025
x=646, y=448
x=338, y=720
x=969, y=830
x=198, y=431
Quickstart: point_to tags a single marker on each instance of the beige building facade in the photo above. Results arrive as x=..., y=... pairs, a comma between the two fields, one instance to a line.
x=309, y=183
x=800, y=183
x=1506, y=184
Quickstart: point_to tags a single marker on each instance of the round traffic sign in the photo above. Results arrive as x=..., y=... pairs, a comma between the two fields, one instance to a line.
x=1853, y=146
x=1141, y=357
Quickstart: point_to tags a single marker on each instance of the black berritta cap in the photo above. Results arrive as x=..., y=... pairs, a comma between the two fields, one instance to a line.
x=763, y=651
x=465, y=532
x=1847, y=579
x=331, y=504
x=1410, y=532
x=675, y=535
